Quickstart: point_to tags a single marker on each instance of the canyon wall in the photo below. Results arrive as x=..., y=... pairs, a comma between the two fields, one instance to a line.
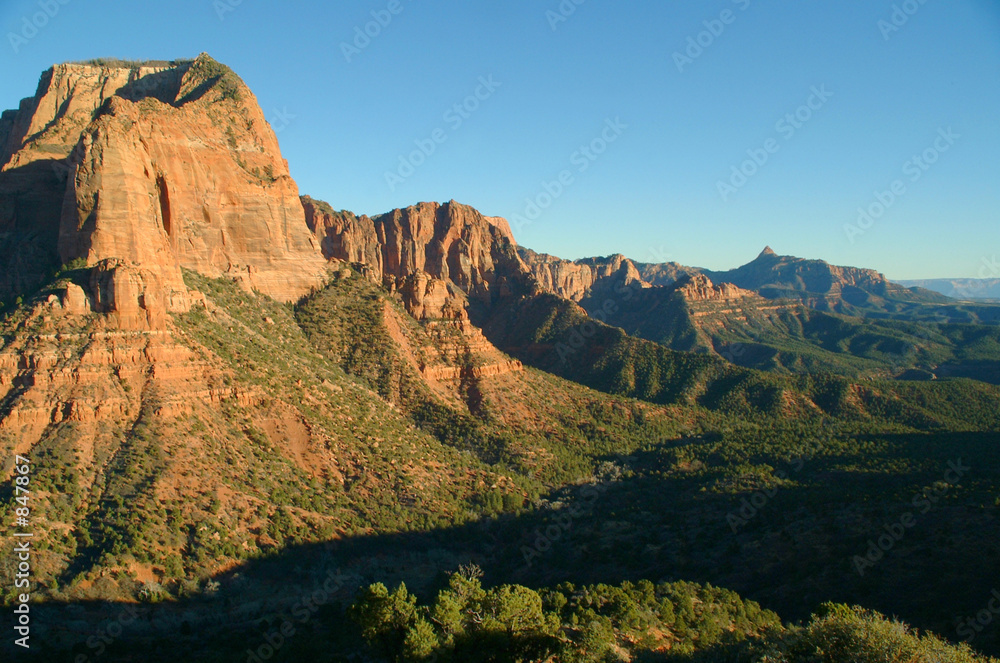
x=165, y=167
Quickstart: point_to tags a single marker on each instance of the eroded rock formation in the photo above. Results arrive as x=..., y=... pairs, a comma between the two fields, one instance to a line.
x=166, y=167
x=582, y=278
x=699, y=288
x=437, y=256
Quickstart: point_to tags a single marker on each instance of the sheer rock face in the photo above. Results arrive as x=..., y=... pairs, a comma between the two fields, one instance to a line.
x=451, y=242
x=438, y=259
x=68, y=98
x=503, y=226
x=343, y=235
x=437, y=256
x=36, y=142
x=582, y=278
x=162, y=167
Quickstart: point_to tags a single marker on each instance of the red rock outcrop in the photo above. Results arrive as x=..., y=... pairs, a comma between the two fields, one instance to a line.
x=132, y=296
x=68, y=98
x=437, y=259
x=503, y=226
x=343, y=235
x=437, y=256
x=164, y=167
x=578, y=280
x=138, y=171
x=451, y=242
x=64, y=365
x=429, y=298
x=35, y=144
x=699, y=288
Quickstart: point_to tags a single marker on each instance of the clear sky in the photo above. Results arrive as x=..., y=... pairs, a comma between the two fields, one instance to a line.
x=882, y=94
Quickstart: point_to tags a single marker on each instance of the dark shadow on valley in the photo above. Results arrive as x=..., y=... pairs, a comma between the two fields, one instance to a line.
x=791, y=552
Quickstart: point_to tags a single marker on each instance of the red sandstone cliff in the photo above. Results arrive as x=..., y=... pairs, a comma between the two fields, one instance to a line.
x=436, y=255
x=166, y=167
x=578, y=280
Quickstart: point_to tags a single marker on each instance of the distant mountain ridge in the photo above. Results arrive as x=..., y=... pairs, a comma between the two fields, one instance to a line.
x=816, y=283
x=960, y=288
x=821, y=285
x=775, y=313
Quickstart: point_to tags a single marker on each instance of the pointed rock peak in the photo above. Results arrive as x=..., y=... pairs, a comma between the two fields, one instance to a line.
x=768, y=251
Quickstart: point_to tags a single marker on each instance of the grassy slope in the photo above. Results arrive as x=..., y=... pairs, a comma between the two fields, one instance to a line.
x=668, y=475
x=556, y=336
x=295, y=451
x=530, y=421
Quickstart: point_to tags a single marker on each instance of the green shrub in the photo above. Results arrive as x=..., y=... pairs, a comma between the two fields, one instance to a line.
x=839, y=634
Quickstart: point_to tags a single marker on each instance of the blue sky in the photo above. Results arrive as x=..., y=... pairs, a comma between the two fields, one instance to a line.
x=556, y=86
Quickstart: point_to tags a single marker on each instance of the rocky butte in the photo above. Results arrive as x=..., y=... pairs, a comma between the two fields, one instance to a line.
x=159, y=167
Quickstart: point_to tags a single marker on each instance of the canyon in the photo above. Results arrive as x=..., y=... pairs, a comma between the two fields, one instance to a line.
x=228, y=388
